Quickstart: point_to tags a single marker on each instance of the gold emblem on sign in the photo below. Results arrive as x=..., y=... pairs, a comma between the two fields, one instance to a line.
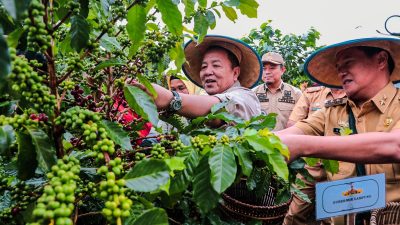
x=388, y=121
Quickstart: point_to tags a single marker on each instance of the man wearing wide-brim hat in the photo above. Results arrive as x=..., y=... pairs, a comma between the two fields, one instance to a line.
x=366, y=69
x=226, y=68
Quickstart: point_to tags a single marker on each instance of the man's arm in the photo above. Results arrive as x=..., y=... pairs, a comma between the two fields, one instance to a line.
x=192, y=105
x=375, y=147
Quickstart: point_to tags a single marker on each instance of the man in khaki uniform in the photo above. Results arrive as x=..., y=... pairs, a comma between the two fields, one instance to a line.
x=274, y=95
x=364, y=68
x=226, y=68
x=312, y=100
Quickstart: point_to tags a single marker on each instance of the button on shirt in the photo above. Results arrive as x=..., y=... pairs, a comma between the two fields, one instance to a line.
x=379, y=114
x=242, y=102
x=281, y=102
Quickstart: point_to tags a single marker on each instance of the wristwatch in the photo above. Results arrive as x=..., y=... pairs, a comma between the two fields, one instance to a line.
x=176, y=103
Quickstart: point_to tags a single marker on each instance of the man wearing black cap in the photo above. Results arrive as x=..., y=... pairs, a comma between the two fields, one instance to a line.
x=364, y=68
x=274, y=95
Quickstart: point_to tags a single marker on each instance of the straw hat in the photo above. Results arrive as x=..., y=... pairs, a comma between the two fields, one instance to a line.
x=249, y=61
x=321, y=65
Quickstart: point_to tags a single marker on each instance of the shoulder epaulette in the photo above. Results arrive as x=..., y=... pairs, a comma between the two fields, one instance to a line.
x=335, y=102
x=313, y=89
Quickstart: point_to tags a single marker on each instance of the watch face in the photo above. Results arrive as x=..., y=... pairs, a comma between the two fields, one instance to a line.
x=176, y=105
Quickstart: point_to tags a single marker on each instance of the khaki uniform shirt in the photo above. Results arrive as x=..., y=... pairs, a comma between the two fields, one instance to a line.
x=242, y=102
x=281, y=102
x=312, y=100
x=379, y=114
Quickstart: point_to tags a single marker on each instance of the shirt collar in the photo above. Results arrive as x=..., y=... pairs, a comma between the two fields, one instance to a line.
x=235, y=85
x=281, y=86
x=382, y=99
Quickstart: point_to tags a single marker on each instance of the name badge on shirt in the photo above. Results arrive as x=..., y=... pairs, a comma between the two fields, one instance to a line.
x=287, y=98
x=351, y=195
x=262, y=97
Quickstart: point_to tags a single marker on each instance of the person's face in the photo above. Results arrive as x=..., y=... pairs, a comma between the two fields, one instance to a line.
x=178, y=86
x=357, y=72
x=272, y=73
x=216, y=73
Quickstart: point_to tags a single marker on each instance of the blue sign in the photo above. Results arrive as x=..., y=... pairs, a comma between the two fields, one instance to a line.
x=351, y=195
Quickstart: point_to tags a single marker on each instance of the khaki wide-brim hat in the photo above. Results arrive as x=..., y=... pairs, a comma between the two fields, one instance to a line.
x=249, y=60
x=321, y=65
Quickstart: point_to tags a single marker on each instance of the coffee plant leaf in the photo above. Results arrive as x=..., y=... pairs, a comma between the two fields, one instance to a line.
x=175, y=163
x=7, y=138
x=143, y=80
x=204, y=195
x=141, y=103
x=109, y=43
x=248, y=8
x=181, y=180
x=26, y=161
x=202, y=3
x=5, y=59
x=331, y=166
x=5, y=200
x=177, y=54
x=148, y=175
x=189, y=7
x=84, y=8
x=155, y=216
x=13, y=37
x=80, y=30
x=117, y=134
x=45, y=151
x=171, y=16
x=223, y=167
x=244, y=158
x=136, y=26
x=15, y=8
x=311, y=161
x=211, y=19
x=230, y=13
x=109, y=63
x=201, y=26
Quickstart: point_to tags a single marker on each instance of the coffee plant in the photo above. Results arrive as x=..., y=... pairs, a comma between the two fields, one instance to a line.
x=74, y=143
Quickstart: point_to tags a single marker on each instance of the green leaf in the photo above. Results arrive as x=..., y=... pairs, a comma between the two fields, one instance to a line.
x=117, y=134
x=248, y=8
x=16, y=7
x=109, y=63
x=211, y=19
x=311, y=161
x=200, y=26
x=219, y=106
x=136, y=26
x=177, y=54
x=13, y=37
x=175, y=163
x=225, y=116
x=5, y=59
x=26, y=158
x=204, y=195
x=152, y=26
x=155, y=216
x=110, y=43
x=84, y=8
x=189, y=7
x=171, y=16
x=202, y=3
x=147, y=175
x=79, y=32
x=331, y=166
x=229, y=12
x=7, y=137
x=45, y=151
x=244, y=159
x=232, y=2
x=105, y=5
x=279, y=165
x=143, y=80
x=141, y=103
x=5, y=200
x=182, y=179
x=223, y=167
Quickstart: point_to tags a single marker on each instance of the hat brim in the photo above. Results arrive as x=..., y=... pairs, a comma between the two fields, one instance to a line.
x=321, y=65
x=250, y=65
